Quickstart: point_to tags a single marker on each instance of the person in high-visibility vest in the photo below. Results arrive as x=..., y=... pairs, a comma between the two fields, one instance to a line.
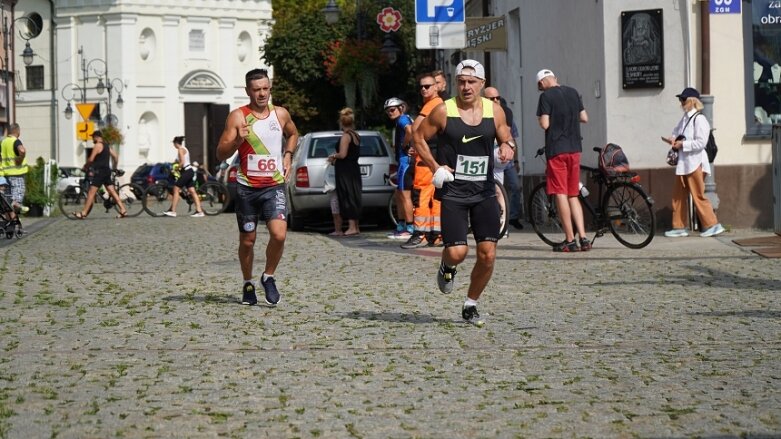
x=13, y=165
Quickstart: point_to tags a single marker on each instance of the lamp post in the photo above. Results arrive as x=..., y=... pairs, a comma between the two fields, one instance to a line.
x=26, y=33
x=93, y=69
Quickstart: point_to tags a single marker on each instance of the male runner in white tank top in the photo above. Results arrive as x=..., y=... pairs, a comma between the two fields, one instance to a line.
x=265, y=137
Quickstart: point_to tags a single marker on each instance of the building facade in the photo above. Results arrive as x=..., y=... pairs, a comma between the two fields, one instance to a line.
x=167, y=68
x=589, y=45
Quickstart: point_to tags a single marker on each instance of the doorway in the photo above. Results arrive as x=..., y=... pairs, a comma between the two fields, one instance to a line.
x=203, y=125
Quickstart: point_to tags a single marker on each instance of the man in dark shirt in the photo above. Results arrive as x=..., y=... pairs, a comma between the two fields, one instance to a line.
x=560, y=112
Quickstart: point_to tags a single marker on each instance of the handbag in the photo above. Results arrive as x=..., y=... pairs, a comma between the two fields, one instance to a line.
x=672, y=157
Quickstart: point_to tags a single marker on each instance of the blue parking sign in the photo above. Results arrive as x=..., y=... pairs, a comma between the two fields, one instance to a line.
x=439, y=11
x=724, y=6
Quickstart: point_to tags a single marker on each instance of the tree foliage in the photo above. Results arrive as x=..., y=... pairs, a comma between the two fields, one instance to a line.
x=299, y=47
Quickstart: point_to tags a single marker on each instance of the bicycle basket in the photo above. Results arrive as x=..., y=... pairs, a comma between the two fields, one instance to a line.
x=612, y=160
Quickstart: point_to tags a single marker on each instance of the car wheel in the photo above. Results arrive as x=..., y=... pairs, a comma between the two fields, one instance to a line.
x=295, y=221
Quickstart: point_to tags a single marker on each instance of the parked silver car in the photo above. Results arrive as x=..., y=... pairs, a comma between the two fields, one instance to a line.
x=306, y=188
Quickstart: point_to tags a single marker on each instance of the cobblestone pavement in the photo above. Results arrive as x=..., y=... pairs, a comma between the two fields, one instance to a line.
x=132, y=328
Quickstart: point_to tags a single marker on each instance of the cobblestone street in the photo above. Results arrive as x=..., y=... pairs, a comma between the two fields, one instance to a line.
x=132, y=328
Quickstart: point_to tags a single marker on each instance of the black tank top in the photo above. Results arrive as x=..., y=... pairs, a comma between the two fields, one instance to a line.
x=469, y=150
x=103, y=159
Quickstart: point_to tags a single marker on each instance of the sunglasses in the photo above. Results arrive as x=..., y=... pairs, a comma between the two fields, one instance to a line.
x=495, y=98
x=683, y=99
x=391, y=110
x=426, y=86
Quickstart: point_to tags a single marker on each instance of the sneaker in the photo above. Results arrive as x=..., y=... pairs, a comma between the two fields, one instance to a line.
x=169, y=213
x=566, y=247
x=198, y=215
x=446, y=278
x=585, y=244
x=272, y=294
x=470, y=315
x=403, y=235
x=714, y=230
x=516, y=223
x=415, y=241
x=436, y=242
x=676, y=233
x=248, y=296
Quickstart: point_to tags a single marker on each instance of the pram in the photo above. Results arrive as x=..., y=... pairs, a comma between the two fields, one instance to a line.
x=8, y=227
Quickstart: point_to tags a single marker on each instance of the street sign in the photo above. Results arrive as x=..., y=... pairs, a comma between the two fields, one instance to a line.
x=84, y=130
x=85, y=110
x=439, y=11
x=725, y=6
x=440, y=36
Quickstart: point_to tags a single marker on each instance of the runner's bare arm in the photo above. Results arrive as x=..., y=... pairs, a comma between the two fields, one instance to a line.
x=428, y=127
x=503, y=135
x=236, y=130
x=291, y=138
x=114, y=156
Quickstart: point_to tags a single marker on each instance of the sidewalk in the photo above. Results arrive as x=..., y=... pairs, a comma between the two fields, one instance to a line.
x=132, y=328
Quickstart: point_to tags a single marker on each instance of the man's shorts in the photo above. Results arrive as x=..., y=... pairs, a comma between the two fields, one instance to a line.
x=265, y=204
x=456, y=218
x=563, y=174
x=101, y=177
x=405, y=173
x=186, y=179
x=16, y=186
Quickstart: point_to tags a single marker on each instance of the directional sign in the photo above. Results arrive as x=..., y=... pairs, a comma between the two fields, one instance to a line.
x=84, y=130
x=439, y=11
x=85, y=110
x=725, y=6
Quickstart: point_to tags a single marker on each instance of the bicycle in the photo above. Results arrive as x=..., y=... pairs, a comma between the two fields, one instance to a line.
x=625, y=209
x=74, y=197
x=213, y=195
x=501, y=197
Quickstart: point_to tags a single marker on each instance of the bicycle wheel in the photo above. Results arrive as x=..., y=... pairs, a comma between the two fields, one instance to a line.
x=544, y=217
x=214, y=198
x=157, y=199
x=71, y=200
x=630, y=214
x=392, y=210
x=501, y=198
x=132, y=196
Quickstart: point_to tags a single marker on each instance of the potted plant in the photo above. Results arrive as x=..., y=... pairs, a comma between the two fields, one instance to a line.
x=112, y=136
x=37, y=195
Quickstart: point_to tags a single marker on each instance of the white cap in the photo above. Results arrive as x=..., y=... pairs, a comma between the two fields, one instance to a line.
x=477, y=69
x=544, y=73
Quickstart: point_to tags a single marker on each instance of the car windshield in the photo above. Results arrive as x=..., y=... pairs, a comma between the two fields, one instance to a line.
x=322, y=147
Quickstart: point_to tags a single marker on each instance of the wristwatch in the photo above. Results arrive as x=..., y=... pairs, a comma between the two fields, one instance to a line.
x=512, y=145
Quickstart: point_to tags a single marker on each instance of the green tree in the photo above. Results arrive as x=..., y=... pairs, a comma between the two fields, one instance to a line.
x=301, y=43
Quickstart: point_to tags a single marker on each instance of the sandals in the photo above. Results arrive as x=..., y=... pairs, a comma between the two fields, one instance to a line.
x=122, y=215
x=78, y=215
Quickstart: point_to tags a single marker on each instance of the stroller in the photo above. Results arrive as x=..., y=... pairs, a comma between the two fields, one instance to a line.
x=8, y=227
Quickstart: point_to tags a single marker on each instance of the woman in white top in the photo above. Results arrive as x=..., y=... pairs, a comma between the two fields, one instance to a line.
x=689, y=138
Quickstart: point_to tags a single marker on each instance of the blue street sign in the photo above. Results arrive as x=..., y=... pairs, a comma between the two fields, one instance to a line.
x=439, y=11
x=724, y=6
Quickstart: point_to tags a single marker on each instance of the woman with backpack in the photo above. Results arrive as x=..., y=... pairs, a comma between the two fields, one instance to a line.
x=689, y=138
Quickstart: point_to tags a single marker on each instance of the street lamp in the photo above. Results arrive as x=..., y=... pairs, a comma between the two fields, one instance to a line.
x=30, y=30
x=93, y=69
x=331, y=12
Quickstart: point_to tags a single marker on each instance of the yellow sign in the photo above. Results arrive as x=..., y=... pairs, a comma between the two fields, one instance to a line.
x=85, y=110
x=84, y=130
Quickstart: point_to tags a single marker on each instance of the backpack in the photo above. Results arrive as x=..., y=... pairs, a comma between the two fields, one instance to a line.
x=612, y=160
x=710, y=148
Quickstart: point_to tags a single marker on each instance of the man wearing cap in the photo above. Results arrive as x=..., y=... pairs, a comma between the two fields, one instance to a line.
x=185, y=181
x=98, y=167
x=467, y=126
x=560, y=112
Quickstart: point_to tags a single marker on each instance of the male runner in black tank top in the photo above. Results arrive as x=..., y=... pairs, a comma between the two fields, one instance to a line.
x=467, y=126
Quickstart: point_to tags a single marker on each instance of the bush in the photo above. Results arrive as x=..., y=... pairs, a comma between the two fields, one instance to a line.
x=35, y=191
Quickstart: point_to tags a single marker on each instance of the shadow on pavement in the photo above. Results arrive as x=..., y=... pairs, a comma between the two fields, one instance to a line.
x=395, y=317
x=207, y=298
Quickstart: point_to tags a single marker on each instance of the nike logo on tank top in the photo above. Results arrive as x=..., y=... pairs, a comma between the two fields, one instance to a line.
x=469, y=150
x=261, y=151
